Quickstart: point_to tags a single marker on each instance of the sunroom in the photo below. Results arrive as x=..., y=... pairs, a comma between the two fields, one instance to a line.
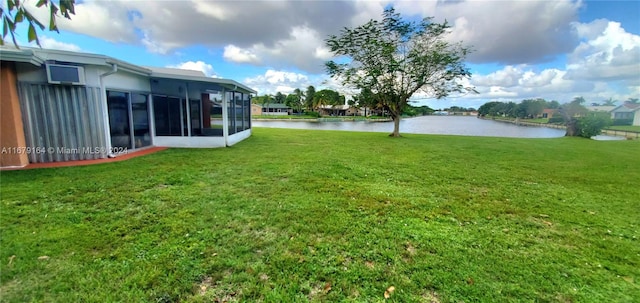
x=67, y=106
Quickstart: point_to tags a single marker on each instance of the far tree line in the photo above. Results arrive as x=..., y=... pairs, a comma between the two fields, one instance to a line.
x=310, y=101
x=579, y=121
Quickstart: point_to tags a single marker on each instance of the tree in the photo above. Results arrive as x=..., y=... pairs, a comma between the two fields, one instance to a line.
x=308, y=97
x=327, y=97
x=609, y=102
x=632, y=101
x=279, y=98
x=530, y=108
x=396, y=58
x=15, y=13
x=486, y=109
x=592, y=124
x=570, y=113
x=295, y=100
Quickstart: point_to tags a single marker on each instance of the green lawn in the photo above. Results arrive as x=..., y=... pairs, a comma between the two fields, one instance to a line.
x=296, y=216
x=629, y=128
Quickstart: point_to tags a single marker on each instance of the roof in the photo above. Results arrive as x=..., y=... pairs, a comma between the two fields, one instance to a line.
x=600, y=108
x=272, y=105
x=38, y=56
x=340, y=106
x=626, y=107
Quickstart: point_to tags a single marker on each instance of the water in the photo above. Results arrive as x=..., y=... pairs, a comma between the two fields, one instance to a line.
x=438, y=125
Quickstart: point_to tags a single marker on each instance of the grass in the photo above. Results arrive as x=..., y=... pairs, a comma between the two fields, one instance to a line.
x=322, y=216
x=628, y=128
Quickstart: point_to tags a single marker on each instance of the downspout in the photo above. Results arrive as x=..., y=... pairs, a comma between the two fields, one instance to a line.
x=105, y=109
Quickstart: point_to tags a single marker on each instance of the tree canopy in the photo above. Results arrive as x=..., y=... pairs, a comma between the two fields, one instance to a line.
x=15, y=13
x=395, y=59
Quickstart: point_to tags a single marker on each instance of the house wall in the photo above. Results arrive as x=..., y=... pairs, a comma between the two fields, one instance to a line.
x=256, y=110
x=636, y=118
x=12, y=139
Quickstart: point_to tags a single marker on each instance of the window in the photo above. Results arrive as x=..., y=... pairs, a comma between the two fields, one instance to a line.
x=128, y=120
x=166, y=111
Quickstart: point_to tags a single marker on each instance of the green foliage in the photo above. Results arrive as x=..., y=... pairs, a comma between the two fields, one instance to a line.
x=309, y=96
x=15, y=13
x=299, y=216
x=312, y=114
x=528, y=108
x=556, y=119
x=327, y=97
x=593, y=124
x=394, y=58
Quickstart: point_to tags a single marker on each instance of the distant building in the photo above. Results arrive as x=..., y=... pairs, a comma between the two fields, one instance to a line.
x=627, y=111
x=271, y=109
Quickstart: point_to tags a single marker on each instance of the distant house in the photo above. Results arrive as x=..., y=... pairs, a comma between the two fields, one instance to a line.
x=600, y=108
x=338, y=110
x=64, y=106
x=548, y=113
x=271, y=109
x=627, y=111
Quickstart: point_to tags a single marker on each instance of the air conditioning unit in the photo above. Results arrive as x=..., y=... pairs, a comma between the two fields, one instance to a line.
x=65, y=74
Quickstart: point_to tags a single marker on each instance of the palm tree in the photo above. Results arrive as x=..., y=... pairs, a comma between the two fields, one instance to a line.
x=609, y=102
x=299, y=95
x=632, y=101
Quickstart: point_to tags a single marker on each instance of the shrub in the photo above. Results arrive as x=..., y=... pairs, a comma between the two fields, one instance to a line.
x=313, y=114
x=556, y=119
x=592, y=124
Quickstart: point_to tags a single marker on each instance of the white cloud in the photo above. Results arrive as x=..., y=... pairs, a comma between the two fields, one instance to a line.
x=235, y=54
x=509, y=32
x=303, y=49
x=273, y=81
x=206, y=68
x=608, y=52
x=102, y=19
x=507, y=77
x=51, y=43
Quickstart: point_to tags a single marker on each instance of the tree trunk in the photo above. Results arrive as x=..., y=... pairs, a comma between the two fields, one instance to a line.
x=396, y=126
x=572, y=130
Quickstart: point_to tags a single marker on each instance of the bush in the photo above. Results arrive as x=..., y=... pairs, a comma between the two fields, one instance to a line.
x=592, y=124
x=313, y=114
x=556, y=119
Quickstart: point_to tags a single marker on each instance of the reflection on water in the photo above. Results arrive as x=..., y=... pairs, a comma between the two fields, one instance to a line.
x=440, y=125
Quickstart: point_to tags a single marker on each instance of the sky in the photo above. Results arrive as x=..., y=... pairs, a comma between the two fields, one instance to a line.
x=556, y=50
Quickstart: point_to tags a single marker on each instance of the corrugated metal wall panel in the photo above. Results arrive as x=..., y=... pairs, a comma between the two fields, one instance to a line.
x=66, y=122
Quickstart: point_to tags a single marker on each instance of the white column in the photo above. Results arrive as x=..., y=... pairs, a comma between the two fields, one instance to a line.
x=225, y=117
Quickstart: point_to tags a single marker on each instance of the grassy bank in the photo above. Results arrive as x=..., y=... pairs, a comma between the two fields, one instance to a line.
x=293, y=215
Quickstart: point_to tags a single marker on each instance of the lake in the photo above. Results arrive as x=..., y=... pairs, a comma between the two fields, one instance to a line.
x=437, y=125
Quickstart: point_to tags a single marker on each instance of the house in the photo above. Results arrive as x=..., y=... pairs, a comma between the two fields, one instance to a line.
x=273, y=109
x=547, y=113
x=65, y=106
x=600, y=108
x=337, y=110
x=627, y=111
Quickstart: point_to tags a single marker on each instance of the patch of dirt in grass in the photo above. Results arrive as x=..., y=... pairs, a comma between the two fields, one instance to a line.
x=431, y=297
x=319, y=290
x=216, y=291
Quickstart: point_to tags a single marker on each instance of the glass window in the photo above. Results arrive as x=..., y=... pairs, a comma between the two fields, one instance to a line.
x=119, y=126
x=166, y=111
x=140, y=113
x=246, y=101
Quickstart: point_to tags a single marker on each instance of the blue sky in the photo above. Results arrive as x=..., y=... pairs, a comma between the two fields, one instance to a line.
x=555, y=50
